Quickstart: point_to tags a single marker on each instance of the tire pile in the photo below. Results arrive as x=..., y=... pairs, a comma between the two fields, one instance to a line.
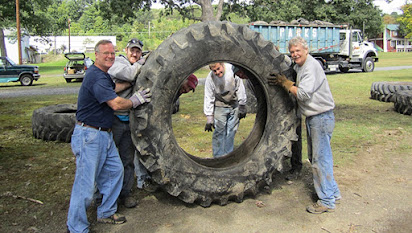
x=400, y=93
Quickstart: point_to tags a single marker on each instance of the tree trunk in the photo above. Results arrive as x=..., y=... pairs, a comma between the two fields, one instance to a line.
x=207, y=10
x=2, y=44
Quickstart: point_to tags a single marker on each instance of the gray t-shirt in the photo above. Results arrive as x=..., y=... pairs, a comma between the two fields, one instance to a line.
x=314, y=95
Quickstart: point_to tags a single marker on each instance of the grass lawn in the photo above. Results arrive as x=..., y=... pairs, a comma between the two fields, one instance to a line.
x=45, y=170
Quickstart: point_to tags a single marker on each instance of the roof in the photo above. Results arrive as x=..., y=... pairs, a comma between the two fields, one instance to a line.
x=392, y=27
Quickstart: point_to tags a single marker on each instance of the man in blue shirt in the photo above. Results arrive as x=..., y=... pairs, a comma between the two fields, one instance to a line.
x=97, y=159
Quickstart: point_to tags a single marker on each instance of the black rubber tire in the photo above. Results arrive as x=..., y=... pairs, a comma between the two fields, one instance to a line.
x=403, y=102
x=368, y=65
x=255, y=161
x=385, y=91
x=54, y=122
x=26, y=80
x=68, y=80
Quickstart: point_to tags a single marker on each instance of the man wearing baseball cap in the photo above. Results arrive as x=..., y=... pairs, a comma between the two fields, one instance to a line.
x=126, y=69
x=188, y=85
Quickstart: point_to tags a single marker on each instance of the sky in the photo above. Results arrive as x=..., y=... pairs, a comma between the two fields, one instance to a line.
x=394, y=6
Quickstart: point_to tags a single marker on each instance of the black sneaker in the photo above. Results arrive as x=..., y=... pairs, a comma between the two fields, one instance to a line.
x=293, y=174
x=150, y=186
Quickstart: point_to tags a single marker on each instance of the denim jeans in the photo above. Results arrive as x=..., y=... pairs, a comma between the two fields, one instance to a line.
x=140, y=171
x=97, y=161
x=123, y=140
x=319, y=130
x=226, y=124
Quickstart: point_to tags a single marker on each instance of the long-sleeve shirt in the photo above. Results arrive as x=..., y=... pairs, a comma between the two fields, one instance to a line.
x=314, y=95
x=123, y=71
x=227, y=91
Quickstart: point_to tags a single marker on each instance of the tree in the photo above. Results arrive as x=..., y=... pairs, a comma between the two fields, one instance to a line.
x=405, y=21
x=32, y=18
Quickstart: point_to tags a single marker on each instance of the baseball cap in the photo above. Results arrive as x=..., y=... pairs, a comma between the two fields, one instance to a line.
x=134, y=43
x=192, y=81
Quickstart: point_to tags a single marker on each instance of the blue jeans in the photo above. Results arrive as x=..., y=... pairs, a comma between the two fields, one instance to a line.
x=123, y=139
x=140, y=171
x=319, y=130
x=97, y=162
x=226, y=122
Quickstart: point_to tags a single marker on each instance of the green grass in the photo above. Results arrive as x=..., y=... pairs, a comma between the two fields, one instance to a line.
x=45, y=170
x=394, y=59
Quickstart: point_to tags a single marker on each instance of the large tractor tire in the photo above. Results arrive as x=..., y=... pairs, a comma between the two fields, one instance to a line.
x=403, y=102
x=385, y=91
x=54, y=122
x=252, y=164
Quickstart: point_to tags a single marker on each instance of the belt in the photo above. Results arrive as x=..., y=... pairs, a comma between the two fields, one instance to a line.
x=94, y=127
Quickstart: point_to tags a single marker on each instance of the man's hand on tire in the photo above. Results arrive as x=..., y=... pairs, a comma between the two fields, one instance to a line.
x=209, y=124
x=140, y=97
x=280, y=80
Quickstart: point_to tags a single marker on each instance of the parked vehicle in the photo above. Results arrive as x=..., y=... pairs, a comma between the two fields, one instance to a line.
x=336, y=47
x=76, y=66
x=11, y=72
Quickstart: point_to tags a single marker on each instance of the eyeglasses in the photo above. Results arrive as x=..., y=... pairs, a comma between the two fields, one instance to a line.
x=108, y=53
x=134, y=41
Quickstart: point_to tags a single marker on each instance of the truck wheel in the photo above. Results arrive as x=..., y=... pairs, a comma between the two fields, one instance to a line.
x=368, y=65
x=403, y=102
x=255, y=161
x=26, y=80
x=54, y=122
x=68, y=80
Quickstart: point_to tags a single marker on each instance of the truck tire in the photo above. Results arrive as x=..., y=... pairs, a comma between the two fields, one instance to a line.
x=385, y=91
x=54, y=122
x=368, y=65
x=251, y=165
x=403, y=102
x=26, y=80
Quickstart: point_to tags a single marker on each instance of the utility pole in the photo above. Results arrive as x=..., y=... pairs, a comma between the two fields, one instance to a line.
x=18, y=30
x=69, y=33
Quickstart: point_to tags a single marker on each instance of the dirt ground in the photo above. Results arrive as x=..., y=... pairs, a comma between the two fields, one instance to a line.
x=376, y=191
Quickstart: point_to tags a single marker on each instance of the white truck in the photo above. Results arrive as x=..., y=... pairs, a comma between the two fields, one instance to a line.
x=336, y=47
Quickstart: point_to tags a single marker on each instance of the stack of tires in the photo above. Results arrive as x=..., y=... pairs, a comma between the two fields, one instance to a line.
x=397, y=92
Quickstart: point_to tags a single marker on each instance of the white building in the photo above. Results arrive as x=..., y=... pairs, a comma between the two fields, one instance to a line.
x=60, y=43
x=36, y=44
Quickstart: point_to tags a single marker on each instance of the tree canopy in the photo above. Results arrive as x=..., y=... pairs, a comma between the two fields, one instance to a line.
x=136, y=18
x=405, y=21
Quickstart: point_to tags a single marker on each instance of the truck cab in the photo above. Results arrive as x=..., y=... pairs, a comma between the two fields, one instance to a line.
x=11, y=72
x=360, y=54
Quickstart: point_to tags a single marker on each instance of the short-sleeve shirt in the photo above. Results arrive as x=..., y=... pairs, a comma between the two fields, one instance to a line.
x=96, y=89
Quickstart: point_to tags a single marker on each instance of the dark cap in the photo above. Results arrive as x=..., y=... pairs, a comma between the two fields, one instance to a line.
x=192, y=81
x=134, y=43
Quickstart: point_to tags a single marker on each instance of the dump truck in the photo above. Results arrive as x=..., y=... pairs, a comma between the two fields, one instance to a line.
x=335, y=47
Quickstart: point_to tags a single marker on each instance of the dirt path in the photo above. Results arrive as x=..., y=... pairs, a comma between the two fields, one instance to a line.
x=376, y=190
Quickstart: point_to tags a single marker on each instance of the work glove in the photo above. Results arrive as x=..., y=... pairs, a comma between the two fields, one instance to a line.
x=281, y=80
x=209, y=124
x=140, y=97
x=142, y=60
x=242, y=111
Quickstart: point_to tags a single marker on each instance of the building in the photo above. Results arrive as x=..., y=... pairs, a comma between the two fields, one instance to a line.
x=32, y=46
x=391, y=41
x=60, y=44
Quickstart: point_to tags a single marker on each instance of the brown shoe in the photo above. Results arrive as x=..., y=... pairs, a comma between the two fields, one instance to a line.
x=318, y=208
x=114, y=219
x=129, y=202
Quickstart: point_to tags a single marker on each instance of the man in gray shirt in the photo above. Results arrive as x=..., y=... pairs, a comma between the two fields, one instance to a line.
x=315, y=101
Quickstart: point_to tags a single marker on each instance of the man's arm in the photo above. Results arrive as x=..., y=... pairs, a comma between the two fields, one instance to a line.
x=123, y=70
x=120, y=103
x=121, y=86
